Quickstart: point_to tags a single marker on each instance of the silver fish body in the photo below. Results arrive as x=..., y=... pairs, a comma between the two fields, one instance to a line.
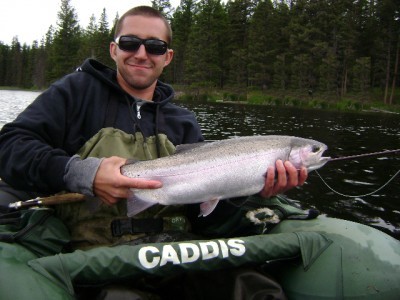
x=208, y=172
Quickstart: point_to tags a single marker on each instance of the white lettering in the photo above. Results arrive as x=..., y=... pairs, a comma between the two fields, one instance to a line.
x=209, y=250
x=224, y=249
x=187, y=257
x=169, y=255
x=151, y=257
x=154, y=260
x=237, y=247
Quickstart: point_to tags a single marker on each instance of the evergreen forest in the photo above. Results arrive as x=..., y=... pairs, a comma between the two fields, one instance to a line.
x=339, y=48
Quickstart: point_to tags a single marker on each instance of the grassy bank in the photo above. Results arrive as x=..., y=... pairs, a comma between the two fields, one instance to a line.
x=354, y=102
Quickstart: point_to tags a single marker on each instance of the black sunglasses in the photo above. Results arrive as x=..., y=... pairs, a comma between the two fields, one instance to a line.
x=132, y=44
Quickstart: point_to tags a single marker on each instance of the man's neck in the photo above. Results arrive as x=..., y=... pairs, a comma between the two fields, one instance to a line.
x=144, y=94
x=141, y=94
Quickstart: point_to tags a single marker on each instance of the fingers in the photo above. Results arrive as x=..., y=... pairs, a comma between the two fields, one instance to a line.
x=111, y=186
x=303, y=176
x=138, y=183
x=107, y=198
x=287, y=177
x=267, y=191
x=291, y=174
x=121, y=189
x=282, y=176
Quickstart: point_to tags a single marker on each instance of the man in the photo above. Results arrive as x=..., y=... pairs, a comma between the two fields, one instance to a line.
x=78, y=133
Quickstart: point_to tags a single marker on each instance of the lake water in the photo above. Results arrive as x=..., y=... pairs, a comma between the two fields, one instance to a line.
x=12, y=103
x=344, y=133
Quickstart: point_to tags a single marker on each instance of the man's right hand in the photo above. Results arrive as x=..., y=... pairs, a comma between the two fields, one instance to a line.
x=111, y=186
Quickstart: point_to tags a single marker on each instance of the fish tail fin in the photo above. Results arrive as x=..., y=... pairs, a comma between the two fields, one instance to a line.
x=136, y=205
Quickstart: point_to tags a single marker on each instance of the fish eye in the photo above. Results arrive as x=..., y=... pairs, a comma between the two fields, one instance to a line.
x=315, y=149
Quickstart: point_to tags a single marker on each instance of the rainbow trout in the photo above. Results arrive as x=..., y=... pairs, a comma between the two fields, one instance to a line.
x=209, y=172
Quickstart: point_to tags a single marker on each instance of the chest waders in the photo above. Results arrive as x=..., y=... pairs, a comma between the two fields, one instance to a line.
x=93, y=223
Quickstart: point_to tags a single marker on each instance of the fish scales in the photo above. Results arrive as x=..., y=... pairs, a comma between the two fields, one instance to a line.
x=209, y=172
x=195, y=158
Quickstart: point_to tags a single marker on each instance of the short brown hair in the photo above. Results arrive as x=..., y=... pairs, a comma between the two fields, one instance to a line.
x=146, y=11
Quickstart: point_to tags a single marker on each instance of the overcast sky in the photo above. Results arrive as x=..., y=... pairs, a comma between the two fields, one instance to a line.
x=29, y=20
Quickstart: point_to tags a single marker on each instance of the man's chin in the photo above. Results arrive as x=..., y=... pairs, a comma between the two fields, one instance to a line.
x=142, y=84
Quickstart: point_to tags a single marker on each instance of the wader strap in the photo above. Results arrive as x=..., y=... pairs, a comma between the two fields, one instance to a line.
x=111, y=111
x=120, y=227
x=160, y=123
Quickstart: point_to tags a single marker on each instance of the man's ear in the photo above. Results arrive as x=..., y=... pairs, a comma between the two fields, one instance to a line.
x=170, y=55
x=113, y=49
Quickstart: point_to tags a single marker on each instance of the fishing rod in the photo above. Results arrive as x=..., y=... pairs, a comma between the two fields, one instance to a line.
x=44, y=201
x=365, y=155
x=361, y=156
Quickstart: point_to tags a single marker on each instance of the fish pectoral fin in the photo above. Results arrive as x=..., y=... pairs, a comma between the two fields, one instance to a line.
x=207, y=208
x=136, y=205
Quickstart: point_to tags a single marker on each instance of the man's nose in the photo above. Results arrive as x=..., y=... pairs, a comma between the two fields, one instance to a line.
x=141, y=52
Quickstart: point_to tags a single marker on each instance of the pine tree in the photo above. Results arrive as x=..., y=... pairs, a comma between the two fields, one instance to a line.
x=281, y=73
x=239, y=15
x=39, y=65
x=103, y=39
x=63, y=57
x=262, y=49
x=4, y=55
x=88, y=40
x=163, y=6
x=181, y=27
x=387, y=12
x=14, y=65
x=207, y=46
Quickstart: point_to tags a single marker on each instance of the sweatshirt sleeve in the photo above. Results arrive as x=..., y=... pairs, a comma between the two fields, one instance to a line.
x=79, y=174
x=33, y=156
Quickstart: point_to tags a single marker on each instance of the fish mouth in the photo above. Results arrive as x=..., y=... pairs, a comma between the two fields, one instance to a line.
x=321, y=160
x=324, y=160
x=321, y=151
x=318, y=165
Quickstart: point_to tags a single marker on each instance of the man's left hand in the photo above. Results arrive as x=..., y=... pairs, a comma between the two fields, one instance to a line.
x=288, y=177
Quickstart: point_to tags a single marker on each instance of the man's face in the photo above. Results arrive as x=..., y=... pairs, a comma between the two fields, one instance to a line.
x=138, y=71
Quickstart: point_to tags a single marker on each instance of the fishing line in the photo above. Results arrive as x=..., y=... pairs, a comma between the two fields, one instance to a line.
x=358, y=196
x=358, y=156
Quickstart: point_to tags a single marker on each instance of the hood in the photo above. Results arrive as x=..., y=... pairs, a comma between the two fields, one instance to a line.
x=101, y=72
x=162, y=94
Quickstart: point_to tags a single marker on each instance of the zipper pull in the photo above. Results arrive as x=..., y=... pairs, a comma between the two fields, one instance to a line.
x=138, y=115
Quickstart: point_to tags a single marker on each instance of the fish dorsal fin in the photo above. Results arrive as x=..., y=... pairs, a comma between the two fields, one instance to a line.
x=207, y=208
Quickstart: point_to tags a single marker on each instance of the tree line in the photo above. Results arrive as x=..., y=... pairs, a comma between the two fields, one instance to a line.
x=332, y=46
